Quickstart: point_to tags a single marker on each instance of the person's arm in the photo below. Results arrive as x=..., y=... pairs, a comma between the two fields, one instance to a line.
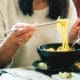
x=7, y=49
x=13, y=41
x=72, y=16
x=73, y=35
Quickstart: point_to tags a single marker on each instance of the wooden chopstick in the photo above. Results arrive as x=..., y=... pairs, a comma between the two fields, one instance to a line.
x=47, y=23
x=39, y=25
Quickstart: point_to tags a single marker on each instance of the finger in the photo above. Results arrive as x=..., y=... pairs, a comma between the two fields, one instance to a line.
x=27, y=35
x=22, y=39
x=23, y=31
x=75, y=30
x=19, y=25
x=77, y=23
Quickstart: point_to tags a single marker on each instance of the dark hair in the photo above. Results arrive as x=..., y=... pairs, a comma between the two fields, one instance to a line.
x=56, y=8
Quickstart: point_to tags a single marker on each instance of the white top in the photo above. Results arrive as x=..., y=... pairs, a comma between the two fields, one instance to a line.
x=27, y=53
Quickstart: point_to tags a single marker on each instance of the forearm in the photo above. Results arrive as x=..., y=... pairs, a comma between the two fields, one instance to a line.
x=7, y=50
x=11, y=44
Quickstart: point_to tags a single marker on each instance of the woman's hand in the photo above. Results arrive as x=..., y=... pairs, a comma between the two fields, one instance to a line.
x=23, y=33
x=73, y=35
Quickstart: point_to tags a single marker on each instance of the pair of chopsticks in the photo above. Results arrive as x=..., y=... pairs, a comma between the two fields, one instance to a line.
x=39, y=25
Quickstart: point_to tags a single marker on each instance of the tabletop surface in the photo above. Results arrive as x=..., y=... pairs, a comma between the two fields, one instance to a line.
x=24, y=74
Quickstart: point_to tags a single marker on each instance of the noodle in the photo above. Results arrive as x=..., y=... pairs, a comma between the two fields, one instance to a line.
x=62, y=26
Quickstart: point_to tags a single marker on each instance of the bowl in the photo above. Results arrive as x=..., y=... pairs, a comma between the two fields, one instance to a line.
x=58, y=59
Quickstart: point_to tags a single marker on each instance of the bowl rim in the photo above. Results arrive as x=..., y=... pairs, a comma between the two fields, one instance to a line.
x=42, y=45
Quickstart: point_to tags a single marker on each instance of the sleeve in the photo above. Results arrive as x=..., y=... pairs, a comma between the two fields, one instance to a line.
x=3, y=4
x=3, y=34
x=2, y=28
x=72, y=15
x=10, y=64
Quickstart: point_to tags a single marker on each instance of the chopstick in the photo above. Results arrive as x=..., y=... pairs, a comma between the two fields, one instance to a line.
x=39, y=25
x=8, y=31
x=47, y=23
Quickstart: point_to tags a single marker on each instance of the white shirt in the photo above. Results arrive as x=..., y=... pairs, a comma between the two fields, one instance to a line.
x=27, y=53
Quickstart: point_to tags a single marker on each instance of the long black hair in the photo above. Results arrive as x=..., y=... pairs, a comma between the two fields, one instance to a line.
x=56, y=8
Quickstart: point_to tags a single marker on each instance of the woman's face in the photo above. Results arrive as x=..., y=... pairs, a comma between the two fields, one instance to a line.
x=39, y=4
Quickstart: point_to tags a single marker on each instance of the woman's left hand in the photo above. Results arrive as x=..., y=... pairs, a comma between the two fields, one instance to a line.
x=73, y=35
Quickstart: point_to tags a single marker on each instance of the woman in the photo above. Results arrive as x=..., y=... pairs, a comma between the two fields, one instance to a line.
x=31, y=12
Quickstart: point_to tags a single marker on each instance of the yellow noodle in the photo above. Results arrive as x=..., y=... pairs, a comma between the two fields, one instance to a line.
x=62, y=26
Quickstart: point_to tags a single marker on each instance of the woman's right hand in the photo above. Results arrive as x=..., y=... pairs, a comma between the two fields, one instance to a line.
x=23, y=33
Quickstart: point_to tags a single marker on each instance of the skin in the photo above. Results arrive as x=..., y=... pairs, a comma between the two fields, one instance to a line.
x=14, y=40
x=74, y=31
x=39, y=4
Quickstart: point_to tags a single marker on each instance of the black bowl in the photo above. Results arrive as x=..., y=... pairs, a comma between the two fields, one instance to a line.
x=58, y=59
